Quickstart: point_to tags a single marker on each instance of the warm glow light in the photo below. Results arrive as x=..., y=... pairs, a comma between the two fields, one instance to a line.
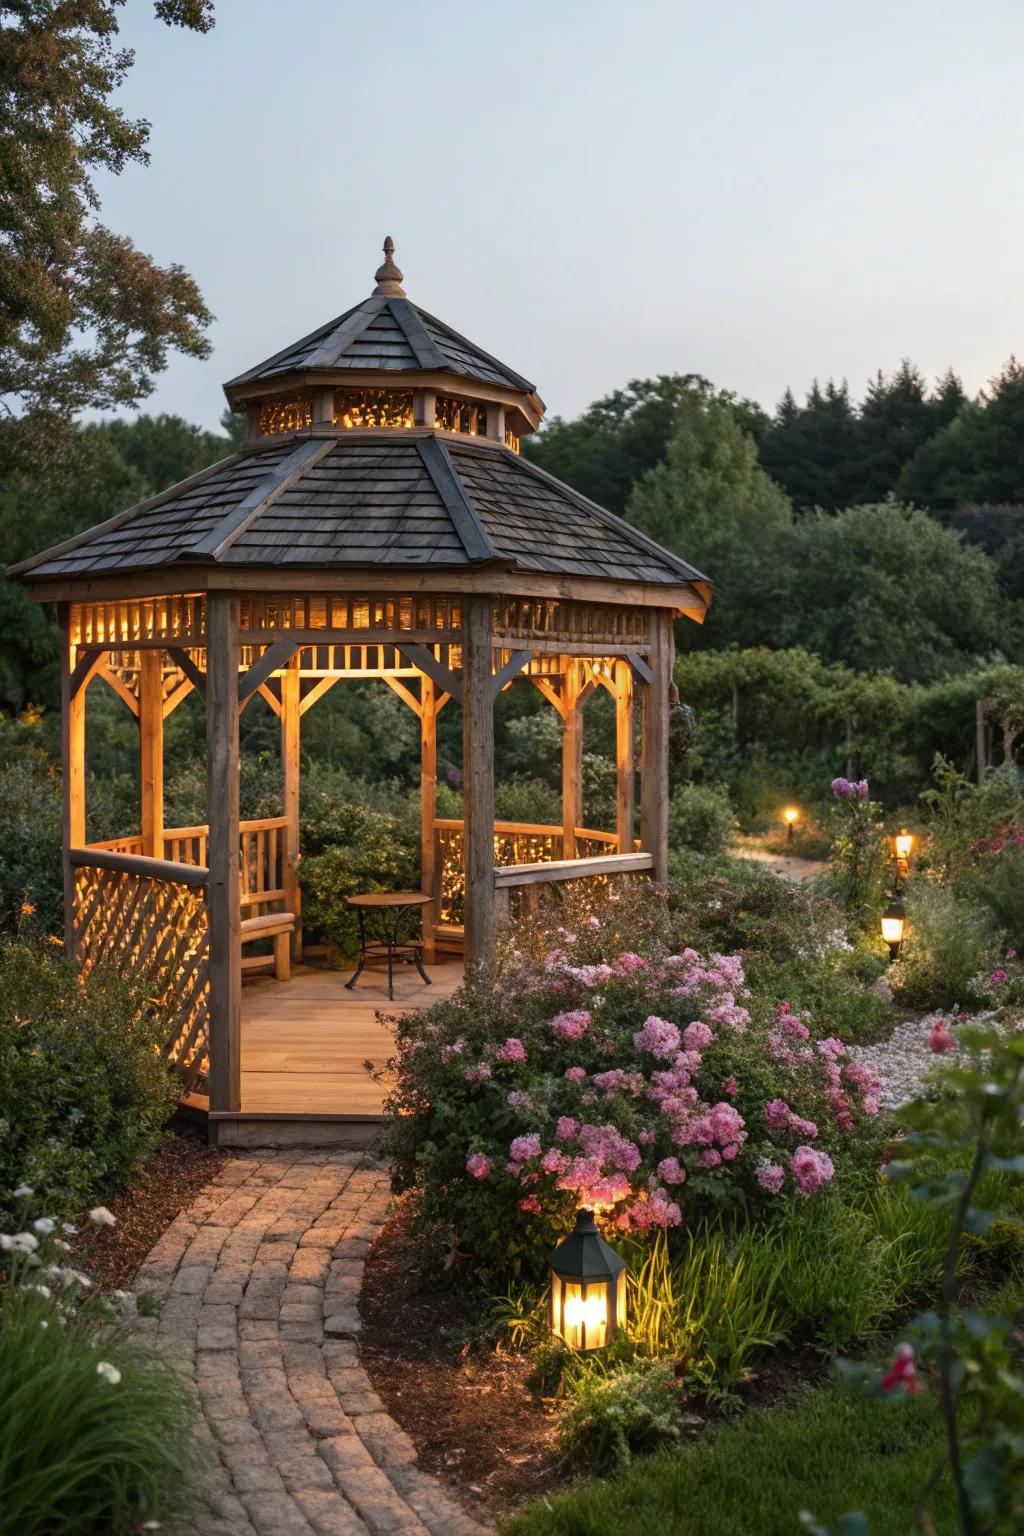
x=904, y=843
x=791, y=814
x=588, y=1312
x=892, y=929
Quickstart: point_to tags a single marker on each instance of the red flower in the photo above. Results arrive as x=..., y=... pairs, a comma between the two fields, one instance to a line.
x=902, y=1374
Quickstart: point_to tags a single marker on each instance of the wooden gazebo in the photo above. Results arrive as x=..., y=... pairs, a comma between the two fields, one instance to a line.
x=377, y=523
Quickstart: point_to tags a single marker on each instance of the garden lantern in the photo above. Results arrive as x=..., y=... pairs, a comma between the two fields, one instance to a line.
x=790, y=816
x=903, y=845
x=588, y=1288
x=894, y=920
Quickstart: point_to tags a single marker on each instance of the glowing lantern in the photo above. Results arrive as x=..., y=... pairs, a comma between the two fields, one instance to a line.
x=588, y=1288
x=790, y=816
x=894, y=920
x=903, y=846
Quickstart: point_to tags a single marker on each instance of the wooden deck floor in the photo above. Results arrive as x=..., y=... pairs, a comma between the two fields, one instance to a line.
x=304, y=1041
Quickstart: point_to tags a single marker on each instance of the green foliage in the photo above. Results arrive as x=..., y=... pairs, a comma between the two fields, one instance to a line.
x=977, y=456
x=360, y=850
x=699, y=817
x=951, y=944
x=811, y=450
x=606, y=451
x=615, y=1413
x=710, y=501
x=84, y=1091
x=87, y=319
x=30, y=801
x=828, y=1451
x=859, y=862
x=86, y=1451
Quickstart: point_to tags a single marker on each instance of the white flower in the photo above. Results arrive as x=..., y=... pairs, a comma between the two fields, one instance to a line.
x=44, y=1224
x=23, y=1191
x=69, y=1229
x=102, y=1217
x=61, y=1246
x=151, y=1525
x=21, y=1242
x=108, y=1372
x=44, y=1290
x=43, y=1323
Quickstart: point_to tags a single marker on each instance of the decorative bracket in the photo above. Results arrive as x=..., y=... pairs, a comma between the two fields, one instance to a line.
x=273, y=657
x=184, y=662
x=515, y=664
x=422, y=657
x=640, y=667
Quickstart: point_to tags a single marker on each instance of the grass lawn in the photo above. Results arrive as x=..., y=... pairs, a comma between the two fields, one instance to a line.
x=832, y=1454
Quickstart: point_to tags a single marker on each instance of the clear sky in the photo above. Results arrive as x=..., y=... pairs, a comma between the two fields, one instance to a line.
x=594, y=191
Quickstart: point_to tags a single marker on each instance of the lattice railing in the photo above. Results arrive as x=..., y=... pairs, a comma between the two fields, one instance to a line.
x=261, y=847
x=146, y=919
x=515, y=843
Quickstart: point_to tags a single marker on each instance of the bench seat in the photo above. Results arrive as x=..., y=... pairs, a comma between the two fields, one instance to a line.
x=278, y=926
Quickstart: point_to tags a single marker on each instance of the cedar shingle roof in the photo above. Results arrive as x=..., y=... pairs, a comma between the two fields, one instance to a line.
x=364, y=500
x=390, y=334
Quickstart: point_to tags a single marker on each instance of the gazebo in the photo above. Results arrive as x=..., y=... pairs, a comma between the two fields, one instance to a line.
x=378, y=522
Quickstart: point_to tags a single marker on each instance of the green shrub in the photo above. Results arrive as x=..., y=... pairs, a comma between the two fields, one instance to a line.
x=525, y=800
x=700, y=817
x=617, y=1412
x=30, y=855
x=366, y=851
x=84, y=1093
x=97, y=1433
x=951, y=945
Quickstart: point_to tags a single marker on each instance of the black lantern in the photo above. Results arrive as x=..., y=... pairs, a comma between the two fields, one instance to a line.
x=588, y=1288
x=894, y=920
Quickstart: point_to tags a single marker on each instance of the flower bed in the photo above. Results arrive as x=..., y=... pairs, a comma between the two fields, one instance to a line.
x=650, y=1085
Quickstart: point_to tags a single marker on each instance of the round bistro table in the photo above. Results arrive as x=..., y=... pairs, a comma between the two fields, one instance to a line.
x=387, y=910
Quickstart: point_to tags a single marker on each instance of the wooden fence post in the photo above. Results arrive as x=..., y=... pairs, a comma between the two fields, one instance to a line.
x=478, y=779
x=654, y=744
x=223, y=850
x=428, y=809
x=572, y=758
x=72, y=760
x=290, y=774
x=624, y=789
x=151, y=752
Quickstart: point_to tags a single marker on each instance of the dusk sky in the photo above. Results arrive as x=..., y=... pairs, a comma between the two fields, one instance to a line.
x=594, y=191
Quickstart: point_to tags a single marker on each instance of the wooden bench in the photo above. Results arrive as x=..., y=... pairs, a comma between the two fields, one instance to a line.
x=278, y=926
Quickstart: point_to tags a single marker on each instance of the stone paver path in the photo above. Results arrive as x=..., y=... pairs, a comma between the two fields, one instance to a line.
x=257, y=1284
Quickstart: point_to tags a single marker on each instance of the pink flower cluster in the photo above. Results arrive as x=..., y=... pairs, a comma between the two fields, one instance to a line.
x=571, y=1026
x=810, y=1169
x=512, y=1050
x=846, y=789
x=719, y=1131
x=779, y=1117
x=478, y=1165
x=659, y=1037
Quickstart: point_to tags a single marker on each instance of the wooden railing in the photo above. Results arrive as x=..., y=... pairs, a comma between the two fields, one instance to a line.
x=146, y=919
x=519, y=888
x=261, y=871
x=517, y=844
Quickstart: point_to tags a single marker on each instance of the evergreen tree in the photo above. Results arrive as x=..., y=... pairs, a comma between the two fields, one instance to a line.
x=896, y=417
x=605, y=451
x=712, y=503
x=979, y=457
x=811, y=450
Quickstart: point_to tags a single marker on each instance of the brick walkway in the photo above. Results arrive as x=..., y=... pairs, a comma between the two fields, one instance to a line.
x=258, y=1281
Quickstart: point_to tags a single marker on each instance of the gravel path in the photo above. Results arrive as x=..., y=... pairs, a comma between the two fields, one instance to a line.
x=258, y=1281
x=904, y=1061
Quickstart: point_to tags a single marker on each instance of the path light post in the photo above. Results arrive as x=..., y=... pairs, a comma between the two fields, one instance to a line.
x=902, y=848
x=790, y=816
x=894, y=921
x=588, y=1288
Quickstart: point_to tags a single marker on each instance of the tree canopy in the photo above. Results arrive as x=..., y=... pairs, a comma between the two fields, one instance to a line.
x=86, y=319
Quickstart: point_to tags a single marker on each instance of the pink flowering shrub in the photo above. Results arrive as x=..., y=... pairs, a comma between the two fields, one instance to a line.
x=649, y=1085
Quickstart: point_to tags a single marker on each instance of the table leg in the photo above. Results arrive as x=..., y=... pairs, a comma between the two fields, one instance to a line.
x=350, y=984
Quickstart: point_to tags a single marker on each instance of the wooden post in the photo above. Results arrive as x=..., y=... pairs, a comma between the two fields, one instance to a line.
x=572, y=758
x=72, y=761
x=478, y=779
x=290, y=774
x=624, y=791
x=654, y=744
x=223, y=905
x=428, y=809
x=151, y=752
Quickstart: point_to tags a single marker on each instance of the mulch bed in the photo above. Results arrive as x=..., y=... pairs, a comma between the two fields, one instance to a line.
x=469, y=1412
x=172, y=1176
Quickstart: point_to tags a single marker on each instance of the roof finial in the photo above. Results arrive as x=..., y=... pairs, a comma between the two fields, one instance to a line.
x=389, y=278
